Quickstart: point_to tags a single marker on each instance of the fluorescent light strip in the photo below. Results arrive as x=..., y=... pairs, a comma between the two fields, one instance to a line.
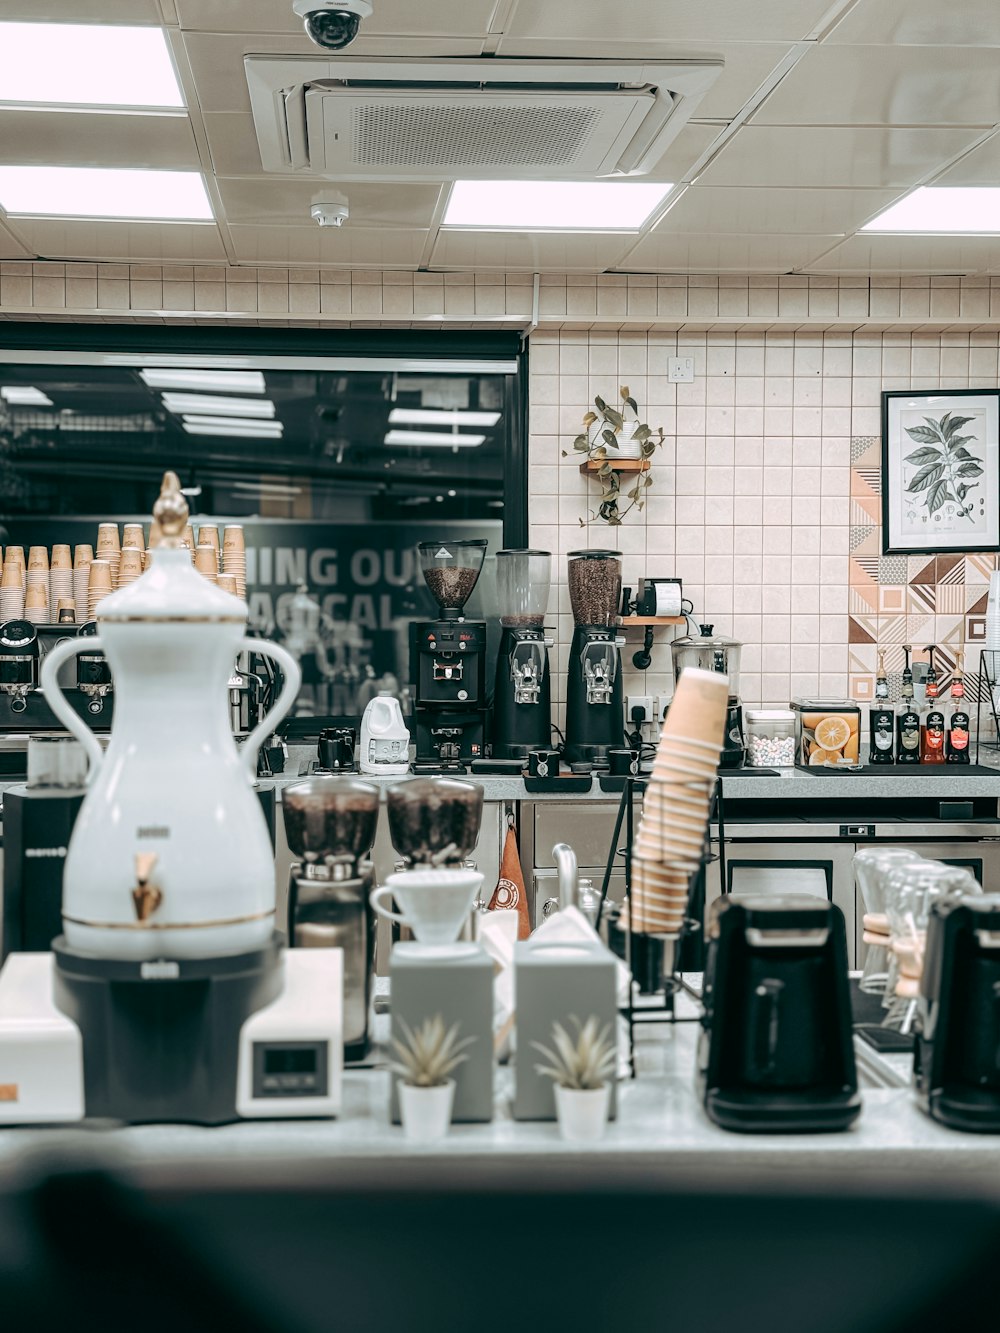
x=220, y=406
x=235, y=381
x=431, y=416
x=247, y=423
x=87, y=64
x=267, y=487
x=105, y=192
x=434, y=438
x=25, y=396
x=553, y=205
x=943, y=210
x=220, y=426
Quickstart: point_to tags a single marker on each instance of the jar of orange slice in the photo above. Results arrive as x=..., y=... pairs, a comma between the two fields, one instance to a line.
x=828, y=732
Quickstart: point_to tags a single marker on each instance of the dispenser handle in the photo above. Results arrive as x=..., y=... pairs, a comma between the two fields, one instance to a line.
x=60, y=705
x=765, y=1019
x=293, y=679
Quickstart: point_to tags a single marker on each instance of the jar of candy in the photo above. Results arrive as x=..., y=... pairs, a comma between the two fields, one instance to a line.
x=770, y=738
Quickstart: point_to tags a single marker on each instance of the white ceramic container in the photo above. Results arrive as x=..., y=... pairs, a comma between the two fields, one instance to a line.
x=582, y=1113
x=426, y=1112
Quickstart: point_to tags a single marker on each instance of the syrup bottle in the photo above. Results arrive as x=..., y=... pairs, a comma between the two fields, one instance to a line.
x=881, y=720
x=907, y=718
x=932, y=722
x=957, y=724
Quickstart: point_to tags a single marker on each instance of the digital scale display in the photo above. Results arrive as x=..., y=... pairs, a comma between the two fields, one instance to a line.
x=290, y=1069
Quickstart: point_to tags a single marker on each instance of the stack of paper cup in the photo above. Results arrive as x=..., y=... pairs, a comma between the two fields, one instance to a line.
x=83, y=557
x=671, y=835
x=132, y=535
x=234, y=557
x=60, y=579
x=109, y=549
x=206, y=561
x=12, y=587
x=208, y=535
x=65, y=607
x=131, y=566
x=38, y=577
x=36, y=604
x=189, y=540
x=991, y=637
x=227, y=583
x=99, y=586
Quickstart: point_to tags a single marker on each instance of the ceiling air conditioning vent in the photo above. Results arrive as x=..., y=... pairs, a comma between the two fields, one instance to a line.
x=418, y=120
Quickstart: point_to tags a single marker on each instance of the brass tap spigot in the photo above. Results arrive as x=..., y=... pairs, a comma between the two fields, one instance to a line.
x=146, y=897
x=170, y=513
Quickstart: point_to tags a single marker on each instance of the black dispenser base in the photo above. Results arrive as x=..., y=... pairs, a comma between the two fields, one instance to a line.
x=783, y=1113
x=161, y=1039
x=972, y=1110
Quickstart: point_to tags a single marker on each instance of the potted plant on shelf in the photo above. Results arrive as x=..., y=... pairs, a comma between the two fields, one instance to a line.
x=582, y=1070
x=427, y=1058
x=609, y=436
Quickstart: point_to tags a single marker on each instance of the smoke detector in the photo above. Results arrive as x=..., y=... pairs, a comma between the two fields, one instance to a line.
x=330, y=209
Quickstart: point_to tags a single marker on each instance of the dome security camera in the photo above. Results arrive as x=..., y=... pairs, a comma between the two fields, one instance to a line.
x=333, y=24
x=330, y=210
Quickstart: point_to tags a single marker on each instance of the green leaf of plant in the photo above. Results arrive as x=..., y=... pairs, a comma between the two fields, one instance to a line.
x=605, y=470
x=970, y=470
x=630, y=402
x=615, y=418
x=924, y=455
x=956, y=423
x=608, y=436
x=624, y=392
x=641, y=433
x=648, y=448
x=937, y=495
x=923, y=434
x=926, y=477
x=581, y=443
x=600, y=404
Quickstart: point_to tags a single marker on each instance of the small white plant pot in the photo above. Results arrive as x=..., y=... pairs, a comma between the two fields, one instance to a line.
x=426, y=1112
x=628, y=446
x=582, y=1113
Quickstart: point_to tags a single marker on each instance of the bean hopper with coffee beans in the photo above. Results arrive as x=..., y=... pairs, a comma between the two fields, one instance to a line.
x=709, y=651
x=595, y=703
x=448, y=661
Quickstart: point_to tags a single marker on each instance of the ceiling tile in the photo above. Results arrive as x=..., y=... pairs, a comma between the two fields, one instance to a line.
x=137, y=242
x=684, y=152
x=11, y=247
x=665, y=252
x=921, y=23
x=747, y=64
x=583, y=252
x=341, y=246
x=759, y=210
x=83, y=11
x=232, y=143
x=670, y=20
x=885, y=85
x=75, y=138
x=980, y=167
x=825, y=156
x=444, y=18
x=865, y=254
x=269, y=200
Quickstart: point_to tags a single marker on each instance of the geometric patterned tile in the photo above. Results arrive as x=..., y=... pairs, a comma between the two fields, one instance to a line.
x=921, y=570
x=919, y=631
x=864, y=569
x=892, y=630
x=950, y=569
x=862, y=687
x=978, y=568
x=975, y=629
x=862, y=600
x=892, y=599
x=892, y=569
x=862, y=629
x=864, y=513
x=863, y=535
x=976, y=600
x=920, y=598
x=871, y=477
x=950, y=599
x=862, y=657
x=865, y=449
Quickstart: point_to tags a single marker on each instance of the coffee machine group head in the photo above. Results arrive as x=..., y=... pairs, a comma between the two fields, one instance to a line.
x=958, y=1014
x=522, y=696
x=709, y=651
x=447, y=659
x=330, y=825
x=595, y=703
x=18, y=662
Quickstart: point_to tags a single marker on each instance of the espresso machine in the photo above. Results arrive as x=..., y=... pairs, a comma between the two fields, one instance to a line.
x=330, y=825
x=448, y=661
x=595, y=702
x=522, y=695
x=776, y=1051
x=956, y=1069
x=714, y=652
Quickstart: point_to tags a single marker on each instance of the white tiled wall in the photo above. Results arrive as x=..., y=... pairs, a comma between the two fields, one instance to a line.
x=751, y=501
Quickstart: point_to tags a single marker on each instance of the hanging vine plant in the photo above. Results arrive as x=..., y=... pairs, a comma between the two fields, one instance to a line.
x=610, y=435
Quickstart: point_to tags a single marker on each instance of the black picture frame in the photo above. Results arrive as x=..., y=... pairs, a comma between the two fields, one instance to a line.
x=946, y=506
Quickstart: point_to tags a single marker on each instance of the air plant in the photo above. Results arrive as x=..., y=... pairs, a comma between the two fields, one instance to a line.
x=429, y=1055
x=584, y=1064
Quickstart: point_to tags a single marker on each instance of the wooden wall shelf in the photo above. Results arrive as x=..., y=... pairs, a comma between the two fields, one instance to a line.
x=626, y=621
x=594, y=465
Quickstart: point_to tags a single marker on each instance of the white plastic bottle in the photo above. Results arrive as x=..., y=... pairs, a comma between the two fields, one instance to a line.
x=385, y=742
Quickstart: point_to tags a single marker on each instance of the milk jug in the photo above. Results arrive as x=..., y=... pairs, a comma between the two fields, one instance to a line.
x=385, y=742
x=170, y=856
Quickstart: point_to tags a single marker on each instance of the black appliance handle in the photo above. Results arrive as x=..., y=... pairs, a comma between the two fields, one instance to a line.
x=764, y=1019
x=996, y=1021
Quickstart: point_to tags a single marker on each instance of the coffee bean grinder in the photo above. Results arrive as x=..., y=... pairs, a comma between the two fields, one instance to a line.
x=330, y=825
x=522, y=696
x=447, y=661
x=595, y=704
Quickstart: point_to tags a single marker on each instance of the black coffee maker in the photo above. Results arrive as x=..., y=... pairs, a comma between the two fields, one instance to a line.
x=595, y=701
x=776, y=1050
x=522, y=696
x=448, y=661
x=957, y=1063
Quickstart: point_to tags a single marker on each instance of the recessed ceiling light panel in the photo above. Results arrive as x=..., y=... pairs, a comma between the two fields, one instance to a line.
x=242, y=429
x=435, y=416
x=84, y=64
x=433, y=438
x=553, y=205
x=105, y=192
x=207, y=381
x=24, y=396
x=218, y=405
x=943, y=210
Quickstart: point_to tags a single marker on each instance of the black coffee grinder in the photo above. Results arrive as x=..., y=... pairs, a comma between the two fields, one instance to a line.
x=448, y=661
x=957, y=1065
x=776, y=1053
x=522, y=696
x=595, y=702
x=330, y=825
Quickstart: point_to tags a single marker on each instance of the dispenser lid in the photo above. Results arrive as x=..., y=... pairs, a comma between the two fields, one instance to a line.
x=706, y=639
x=172, y=589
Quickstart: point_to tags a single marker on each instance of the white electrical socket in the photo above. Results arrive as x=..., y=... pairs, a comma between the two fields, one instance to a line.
x=680, y=369
x=660, y=707
x=639, y=701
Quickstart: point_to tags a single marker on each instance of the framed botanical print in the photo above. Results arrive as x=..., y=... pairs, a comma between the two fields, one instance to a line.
x=940, y=471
